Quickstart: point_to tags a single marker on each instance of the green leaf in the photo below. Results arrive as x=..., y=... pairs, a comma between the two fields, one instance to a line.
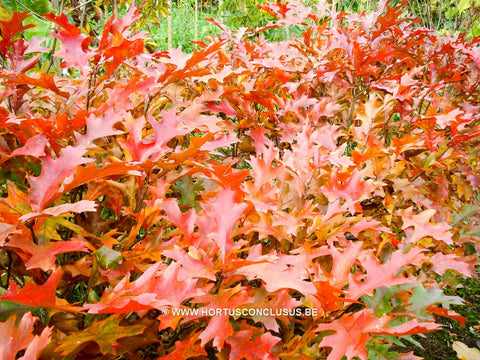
x=108, y=258
x=466, y=212
x=450, y=13
x=10, y=308
x=381, y=301
x=429, y=161
x=69, y=225
x=189, y=187
x=422, y=298
x=41, y=29
x=463, y=5
x=105, y=333
x=381, y=352
x=41, y=7
x=47, y=230
x=10, y=5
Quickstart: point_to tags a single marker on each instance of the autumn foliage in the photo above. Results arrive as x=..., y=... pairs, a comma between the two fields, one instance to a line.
x=336, y=170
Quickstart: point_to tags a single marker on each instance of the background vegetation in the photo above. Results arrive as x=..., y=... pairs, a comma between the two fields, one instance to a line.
x=186, y=18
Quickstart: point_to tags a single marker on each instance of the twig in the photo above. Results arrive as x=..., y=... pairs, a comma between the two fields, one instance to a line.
x=79, y=6
x=39, y=16
x=54, y=45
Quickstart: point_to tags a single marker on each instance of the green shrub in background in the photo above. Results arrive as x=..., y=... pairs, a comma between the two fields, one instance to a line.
x=453, y=15
x=183, y=18
x=445, y=16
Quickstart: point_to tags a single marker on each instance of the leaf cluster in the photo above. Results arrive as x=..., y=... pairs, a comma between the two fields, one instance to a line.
x=335, y=170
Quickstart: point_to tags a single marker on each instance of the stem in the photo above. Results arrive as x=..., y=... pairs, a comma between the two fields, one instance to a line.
x=170, y=33
x=84, y=11
x=196, y=21
x=37, y=15
x=352, y=110
x=9, y=268
x=54, y=45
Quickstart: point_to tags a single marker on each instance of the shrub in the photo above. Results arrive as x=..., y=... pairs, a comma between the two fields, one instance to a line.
x=334, y=171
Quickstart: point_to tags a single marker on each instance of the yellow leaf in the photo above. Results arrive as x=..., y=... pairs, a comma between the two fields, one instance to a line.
x=463, y=188
x=464, y=352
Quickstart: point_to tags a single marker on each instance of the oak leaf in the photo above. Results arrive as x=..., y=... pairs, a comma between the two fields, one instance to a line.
x=105, y=333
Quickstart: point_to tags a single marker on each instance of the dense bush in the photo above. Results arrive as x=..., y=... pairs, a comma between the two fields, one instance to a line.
x=336, y=170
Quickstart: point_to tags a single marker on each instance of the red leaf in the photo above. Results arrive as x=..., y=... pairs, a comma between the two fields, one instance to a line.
x=11, y=28
x=441, y=263
x=45, y=81
x=16, y=335
x=224, y=220
x=351, y=335
x=382, y=274
x=141, y=149
x=411, y=327
x=186, y=349
x=35, y=146
x=153, y=289
x=447, y=313
x=44, y=256
x=43, y=187
x=423, y=227
x=245, y=348
x=78, y=207
x=74, y=47
x=43, y=296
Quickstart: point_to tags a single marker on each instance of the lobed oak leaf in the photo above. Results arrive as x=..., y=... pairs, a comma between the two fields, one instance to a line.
x=447, y=313
x=188, y=348
x=441, y=263
x=342, y=263
x=224, y=220
x=105, y=333
x=263, y=170
x=219, y=327
x=124, y=50
x=423, y=227
x=44, y=186
x=411, y=327
x=45, y=81
x=195, y=264
x=43, y=296
x=142, y=148
x=153, y=289
x=16, y=334
x=382, y=274
x=35, y=146
x=11, y=28
x=6, y=230
x=100, y=126
x=78, y=207
x=127, y=296
x=74, y=46
x=352, y=332
x=184, y=222
x=278, y=276
x=218, y=330
x=44, y=256
x=90, y=172
x=354, y=188
x=242, y=347
x=422, y=299
x=15, y=337
x=226, y=175
x=329, y=298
